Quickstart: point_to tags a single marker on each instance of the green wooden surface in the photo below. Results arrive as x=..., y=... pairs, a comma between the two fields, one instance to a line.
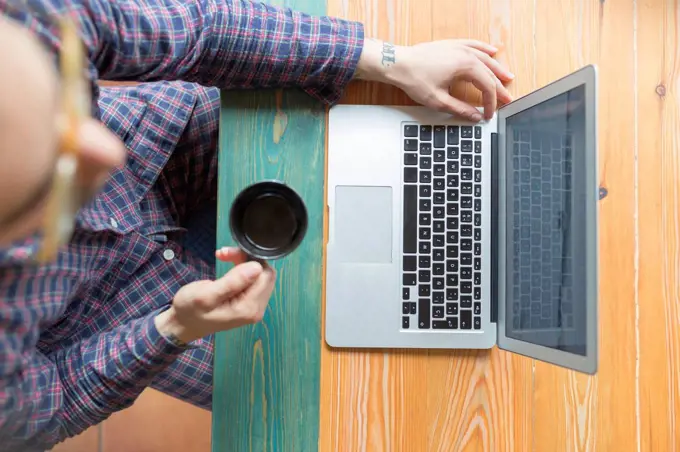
x=266, y=377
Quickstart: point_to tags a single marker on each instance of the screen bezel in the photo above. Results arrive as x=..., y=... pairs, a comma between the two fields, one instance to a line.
x=586, y=76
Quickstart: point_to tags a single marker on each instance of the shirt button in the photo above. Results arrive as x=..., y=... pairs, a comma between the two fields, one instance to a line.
x=168, y=255
x=113, y=222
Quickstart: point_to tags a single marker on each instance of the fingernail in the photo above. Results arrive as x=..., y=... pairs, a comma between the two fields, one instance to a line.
x=252, y=270
x=511, y=75
x=476, y=117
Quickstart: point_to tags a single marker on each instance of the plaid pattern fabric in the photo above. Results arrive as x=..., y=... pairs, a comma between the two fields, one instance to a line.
x=77, y=339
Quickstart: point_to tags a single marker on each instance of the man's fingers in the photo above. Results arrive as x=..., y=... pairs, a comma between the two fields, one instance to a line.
x=483, y=79
x=459, y=108
x=496, y=67
x=238, y=279
x=231, y=254
x=251, y=304
x=479, y=45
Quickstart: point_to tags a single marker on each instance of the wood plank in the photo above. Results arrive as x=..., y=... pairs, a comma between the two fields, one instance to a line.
x=658, y=128
x=157, y=422
x=575, y=412
x=266, y=382
x=434, y=401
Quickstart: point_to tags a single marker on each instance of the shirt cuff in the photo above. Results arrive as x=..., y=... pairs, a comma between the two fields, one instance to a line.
x=152, y=347
x=347, y=43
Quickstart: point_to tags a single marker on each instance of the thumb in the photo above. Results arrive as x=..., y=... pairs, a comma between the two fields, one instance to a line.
x=457, y=107
x=238, y=279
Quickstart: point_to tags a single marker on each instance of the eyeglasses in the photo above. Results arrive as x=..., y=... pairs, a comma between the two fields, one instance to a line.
x=62, y=202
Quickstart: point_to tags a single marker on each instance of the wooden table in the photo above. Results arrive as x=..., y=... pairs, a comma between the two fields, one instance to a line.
x=278, y=387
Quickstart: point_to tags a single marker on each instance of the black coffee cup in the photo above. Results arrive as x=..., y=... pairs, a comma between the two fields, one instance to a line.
x=268, y=220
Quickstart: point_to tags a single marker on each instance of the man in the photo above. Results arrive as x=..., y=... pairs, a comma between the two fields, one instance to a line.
x=124, y=305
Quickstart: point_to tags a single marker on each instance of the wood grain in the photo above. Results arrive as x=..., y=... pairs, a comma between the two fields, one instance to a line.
x=657, y=145
x=266, y=379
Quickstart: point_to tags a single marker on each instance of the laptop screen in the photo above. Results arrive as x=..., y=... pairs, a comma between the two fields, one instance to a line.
x=546, y=193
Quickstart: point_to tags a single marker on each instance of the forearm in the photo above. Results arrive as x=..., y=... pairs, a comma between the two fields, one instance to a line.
x=62, y=395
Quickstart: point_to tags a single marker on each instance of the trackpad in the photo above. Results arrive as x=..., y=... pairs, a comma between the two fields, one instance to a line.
x=363, y=224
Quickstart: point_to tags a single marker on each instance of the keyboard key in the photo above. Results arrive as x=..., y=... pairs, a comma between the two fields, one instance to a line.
x=413, y=305
x=452, y=237
x=425, y=163
x=438, y=240
x=438, y=212
x=439, y=170
x=425, y=149
x=466, y=230
x=452, y=294
x=451, y=280
x=424, y=219
x=478, y=147
x=439, y=136
x=425, y=133
x=466, y=202
x=451, y=308
x=439, y=156
x=478, y=308
x=409, y=263
x=466, y=259
x=452, y=135
x=424, y=313
x=452, y=181
x=439, y=197
x=478, y=249
x=477, y=323
x=466, y=245
x=465, y=301
x=425, y=177
x=424, y=247
x=453, y=153
x=438, y=255
x=452, y=167
x=409, y=279
x=424, y=262
x=478, y=175
x=478, y=161
x=452, y=323
x=466, y=146
x=438, y=269
x=451, y=252
x=410, y=145
x=438, y=297
x=410, y=131
x=465, y=287
x=410, y=174
x=478, y=133
x=406, y=293
x=477, y=279
x=478, y=191
x=477, y=293
x=478, y=219
x=438, y=226
x=424, y=276
x=439, y=183
x=437, y=283
x=452, y=208
x=465, y=320
x=423, y=290
x=466, y=132
x=440, y=325
x=452, y=223
x=451, y=266
x=424, y=205
x=478, y=263
x=438, y=312
x=425, y=191
x=466, y=216
x=478, y=205
x=405, y=309
x=405, y=322
x=410, y=218
x=466, y=160
x=466, y=273
x=466, y=174
x=424, y=234
x=466, y=188
x=410, y=159
x=478, y=234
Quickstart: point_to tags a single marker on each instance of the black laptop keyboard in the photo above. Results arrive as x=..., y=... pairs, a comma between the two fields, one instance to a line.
x=442, y=261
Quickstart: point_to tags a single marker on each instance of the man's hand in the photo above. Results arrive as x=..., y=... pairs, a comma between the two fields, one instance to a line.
x=426, y=72
x=204, y=307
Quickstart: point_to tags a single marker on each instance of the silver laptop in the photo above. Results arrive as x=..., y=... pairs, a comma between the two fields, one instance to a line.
x=447, y=234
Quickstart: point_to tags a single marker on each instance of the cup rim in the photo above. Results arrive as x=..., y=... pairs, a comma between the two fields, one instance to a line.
x=299, y=209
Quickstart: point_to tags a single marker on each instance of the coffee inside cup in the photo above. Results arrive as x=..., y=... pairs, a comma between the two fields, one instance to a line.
x=269, y=222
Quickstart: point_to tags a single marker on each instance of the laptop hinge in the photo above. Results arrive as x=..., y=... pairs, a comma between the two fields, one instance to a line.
x=494, y=227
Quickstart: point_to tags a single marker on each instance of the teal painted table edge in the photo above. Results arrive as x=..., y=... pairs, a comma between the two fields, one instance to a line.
x=266, y=377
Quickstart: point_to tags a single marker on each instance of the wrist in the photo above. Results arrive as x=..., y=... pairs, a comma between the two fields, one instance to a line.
x=380, y=61
x=172, y=329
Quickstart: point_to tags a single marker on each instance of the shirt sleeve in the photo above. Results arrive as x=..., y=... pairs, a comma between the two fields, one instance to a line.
x=45, y=399
x=229, y=44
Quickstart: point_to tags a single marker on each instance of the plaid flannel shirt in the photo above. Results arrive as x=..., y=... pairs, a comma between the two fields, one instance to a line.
x=77, y=338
